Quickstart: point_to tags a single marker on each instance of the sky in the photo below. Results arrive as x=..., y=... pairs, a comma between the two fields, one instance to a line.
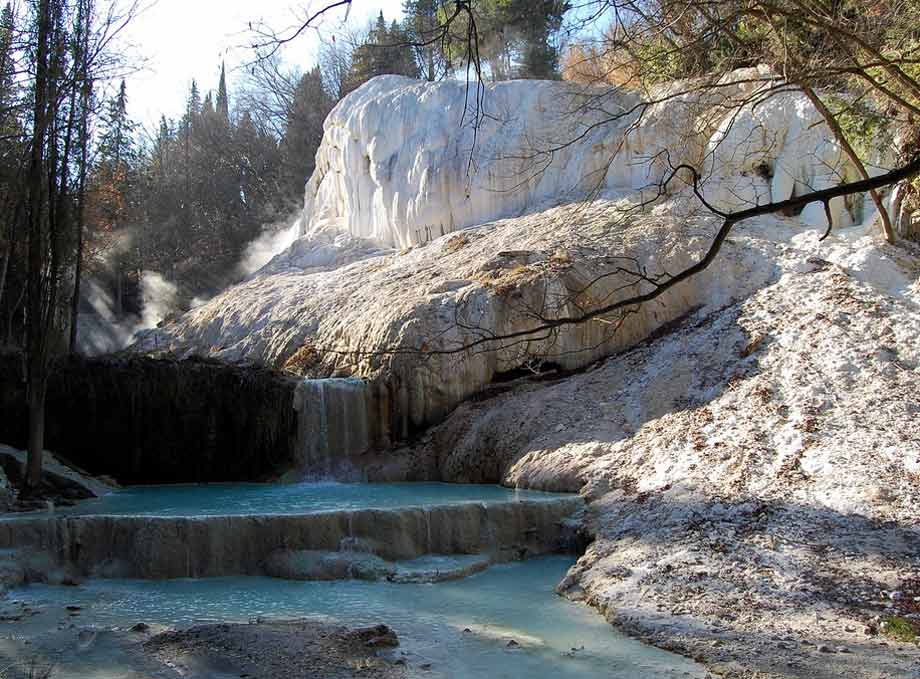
x=178, y=40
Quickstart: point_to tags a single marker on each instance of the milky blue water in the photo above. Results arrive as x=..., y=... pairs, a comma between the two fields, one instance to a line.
x=296, y=498
x=462, y=628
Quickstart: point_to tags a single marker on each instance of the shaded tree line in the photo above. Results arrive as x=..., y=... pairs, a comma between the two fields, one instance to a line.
x=54, y=56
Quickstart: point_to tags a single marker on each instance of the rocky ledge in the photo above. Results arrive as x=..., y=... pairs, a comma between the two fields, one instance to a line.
x=364, y=543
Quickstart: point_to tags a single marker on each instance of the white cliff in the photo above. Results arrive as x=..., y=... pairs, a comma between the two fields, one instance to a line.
x=403, y=162
x=751, y=472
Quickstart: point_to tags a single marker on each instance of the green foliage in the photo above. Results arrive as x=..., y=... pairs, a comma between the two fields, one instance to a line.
x=865, y=127
x=421, y=28
x=304, y=131
x=517, y=38
x=116, y=142
x=195, y=197
x=223, y=100
x=900, y=629
x=387, y=50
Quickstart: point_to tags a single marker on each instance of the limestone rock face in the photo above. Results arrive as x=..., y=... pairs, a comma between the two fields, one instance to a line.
x=409, y=322
x=403, y=162
x=731, y=461
x=497, y=239
x=801, y=390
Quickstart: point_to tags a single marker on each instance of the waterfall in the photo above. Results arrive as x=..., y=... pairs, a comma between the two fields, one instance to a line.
x=333, y=423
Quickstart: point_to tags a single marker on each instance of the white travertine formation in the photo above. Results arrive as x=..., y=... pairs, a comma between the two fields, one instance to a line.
x=403, y=162
x=398, y=167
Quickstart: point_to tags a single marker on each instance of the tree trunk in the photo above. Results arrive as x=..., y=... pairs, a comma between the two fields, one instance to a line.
x=119, y=292
x=840, y=135
x=77, y=275
x=37, y=394
x=81, y=218
x=38, y=317
x=4, y=266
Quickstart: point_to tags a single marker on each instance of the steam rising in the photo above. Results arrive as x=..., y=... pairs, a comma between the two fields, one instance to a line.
x=272, y=242
x=160, y=299
x=101, y=331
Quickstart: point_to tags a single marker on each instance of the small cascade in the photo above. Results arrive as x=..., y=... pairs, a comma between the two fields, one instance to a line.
x=364, y=543
x=334, y=422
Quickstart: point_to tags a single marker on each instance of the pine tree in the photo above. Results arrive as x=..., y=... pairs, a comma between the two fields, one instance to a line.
x=304, y=131
x=387, y=50
x=7, y=65
x=517, y=38
x=193, y=104
x=223, y=101
x=398, y=53
x=420, y=27
x=116, y=142
x=207, y=108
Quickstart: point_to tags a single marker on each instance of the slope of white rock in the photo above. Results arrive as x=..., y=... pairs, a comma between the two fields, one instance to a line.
x=398, y=166
x=385, y=318
x=753, y=476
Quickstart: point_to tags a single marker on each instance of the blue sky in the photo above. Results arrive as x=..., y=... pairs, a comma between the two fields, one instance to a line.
x=184, y=39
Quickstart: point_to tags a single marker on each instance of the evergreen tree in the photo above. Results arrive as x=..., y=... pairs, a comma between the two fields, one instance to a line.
x=420, y=27
x=387, y=50
x=8, y=87
x=116, y=141
x=223, y=101
x=111, y=181
x=193, y=104
x=207, y=108
x=309, y=107
x=517, y=38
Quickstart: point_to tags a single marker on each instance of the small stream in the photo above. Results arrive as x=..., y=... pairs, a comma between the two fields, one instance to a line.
x=462, y=628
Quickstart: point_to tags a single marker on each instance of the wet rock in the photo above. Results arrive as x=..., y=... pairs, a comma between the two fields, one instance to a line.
x=140, y=628
x=378, y=636
x=320, y=565
x=12, y=572
x=182, y=547
x=86, y=638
